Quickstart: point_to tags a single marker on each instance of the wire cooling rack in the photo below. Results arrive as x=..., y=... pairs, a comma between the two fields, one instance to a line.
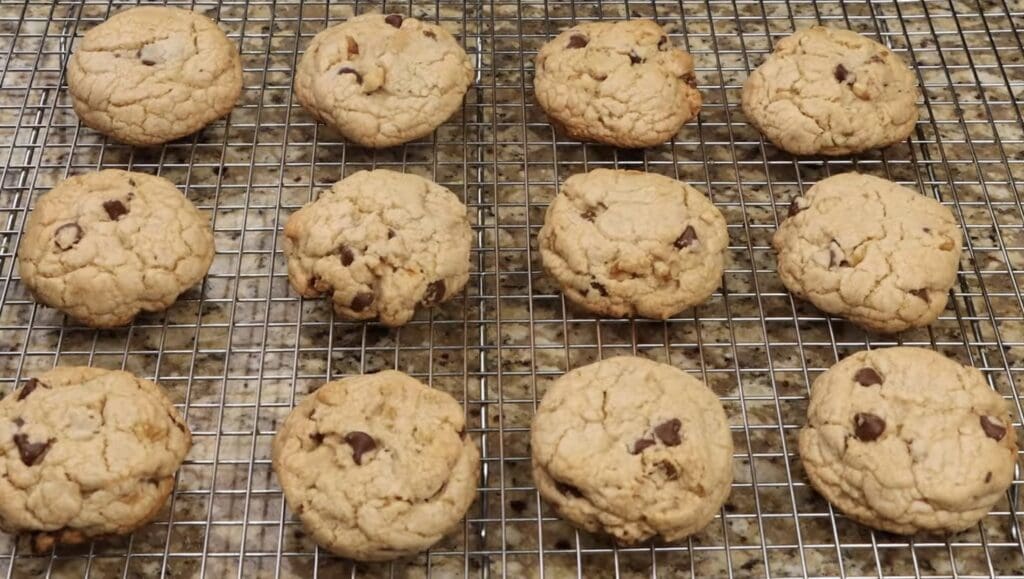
x=237, y=352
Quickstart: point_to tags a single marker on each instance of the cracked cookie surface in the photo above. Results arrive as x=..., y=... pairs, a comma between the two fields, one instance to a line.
x=831, y=92
x=380, y=243
x=152, y=74
x=867, y=249
x=383, y=80
x=377, y=466
x=102, y=247
x=906, y=440
x=86, y=453
x=632, y=448
x=627, y=243
x=620, y=83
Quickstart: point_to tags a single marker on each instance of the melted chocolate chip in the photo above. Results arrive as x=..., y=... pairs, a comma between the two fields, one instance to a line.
x=841, y=73
x=634, y=58
x=429, y=34
x=867, y=377
x=350, y=70
x=67, y=236
x=589, y=215
x=148, y=62
x=668, y=432
x=353, y=46
x=361, y=444
x=687, y=238
x=517, y=505
x=115, y=209
x=346, y=255
x=568, y=490
x=922, y=294
x=670, y=469
x=29, y=387
x=689, y=79
x=317, y=438
x=391, y=233
x=600, y=288
x=31, y=452
x=794, y=207
x=641, y=444
x=434, y=293
x=993, y=429
x=361, y=301
x=577, y=41
x=663, y=43
x=988, y=477
x=394, y=20
x=867, y=426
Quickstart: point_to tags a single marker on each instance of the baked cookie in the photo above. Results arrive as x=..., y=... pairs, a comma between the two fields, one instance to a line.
x=626, y=243
x=907, y=440
x=87, y=453
x=632, y=448
x=382, y=80
x=152, y=74
x=825, y=91
x=621, y=83
x=869, y=250
x=380, y=243
x=377, y=466
x=102, y=247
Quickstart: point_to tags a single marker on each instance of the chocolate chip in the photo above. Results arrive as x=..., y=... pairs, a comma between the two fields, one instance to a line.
x=668, y=432
x=589, y=215
x=641, y=444
x=794, y=206
x=434, y=293
x=922, y=294
x=867, y=377
x=663, y=43
x=391, y=233
x=568, y=490
x=429, y=34
x=517, y=505
x=634, y=58
x=927, y=230
x=687, y=238
x=317, y=437
x=841, y=73
x=132, y=182
x=347, y=257
x=353, y=46
x=577, y=41
x=29, y=387
x=600, y=288
x=148, y=62
x=361, y=301
x=867, y=426
x=350, y=70
x=993, y=428
x=115, y=209
x=394, y=20
x=67, y=236
x=31, y=452
x=689, y=79
x=988, y=477
x=670, y=469
x=361, y=443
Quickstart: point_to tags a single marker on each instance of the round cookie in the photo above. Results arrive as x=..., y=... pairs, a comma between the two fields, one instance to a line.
x=626, y=243
x=377, y=466
x=906, y=440
x=380, y=243
x=632, y=448
x=826, y=91
x=152, y=74
x=869, y=250
x=104, y=246
x=87, y=453
x=383, y=80
x=621, y=83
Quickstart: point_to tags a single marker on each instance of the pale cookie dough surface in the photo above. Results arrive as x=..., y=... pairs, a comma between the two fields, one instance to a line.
x=831, y=92
x=86, y=452
x=906, y=440
x=152, y=74
x=867, y=249
x=632, y=448
x=627, y=243
x=104, y=246
x=380, y=243
x=377, y=466
x=622, y=83
x=383, y=80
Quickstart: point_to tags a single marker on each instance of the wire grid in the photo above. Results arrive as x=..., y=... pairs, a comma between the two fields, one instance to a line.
x=237, y=352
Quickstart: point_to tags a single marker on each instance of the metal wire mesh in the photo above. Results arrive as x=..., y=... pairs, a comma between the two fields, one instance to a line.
x=238, y=351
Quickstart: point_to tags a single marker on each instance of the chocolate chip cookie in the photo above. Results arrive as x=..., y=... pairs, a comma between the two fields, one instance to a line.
x=906, y=440
x=632, y=448
x=102, y=247
x=626, y=243
x=86, y=453
x=383, y=80
x=380, y=243
x=377, y=466
x=621, y=83
x=826, y=91
x=152, y=74
x=869, y=250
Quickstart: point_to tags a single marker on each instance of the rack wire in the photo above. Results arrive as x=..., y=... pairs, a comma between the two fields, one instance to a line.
x=237, y=352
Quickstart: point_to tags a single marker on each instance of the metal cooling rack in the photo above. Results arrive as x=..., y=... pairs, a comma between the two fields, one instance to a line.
x=237, y=352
